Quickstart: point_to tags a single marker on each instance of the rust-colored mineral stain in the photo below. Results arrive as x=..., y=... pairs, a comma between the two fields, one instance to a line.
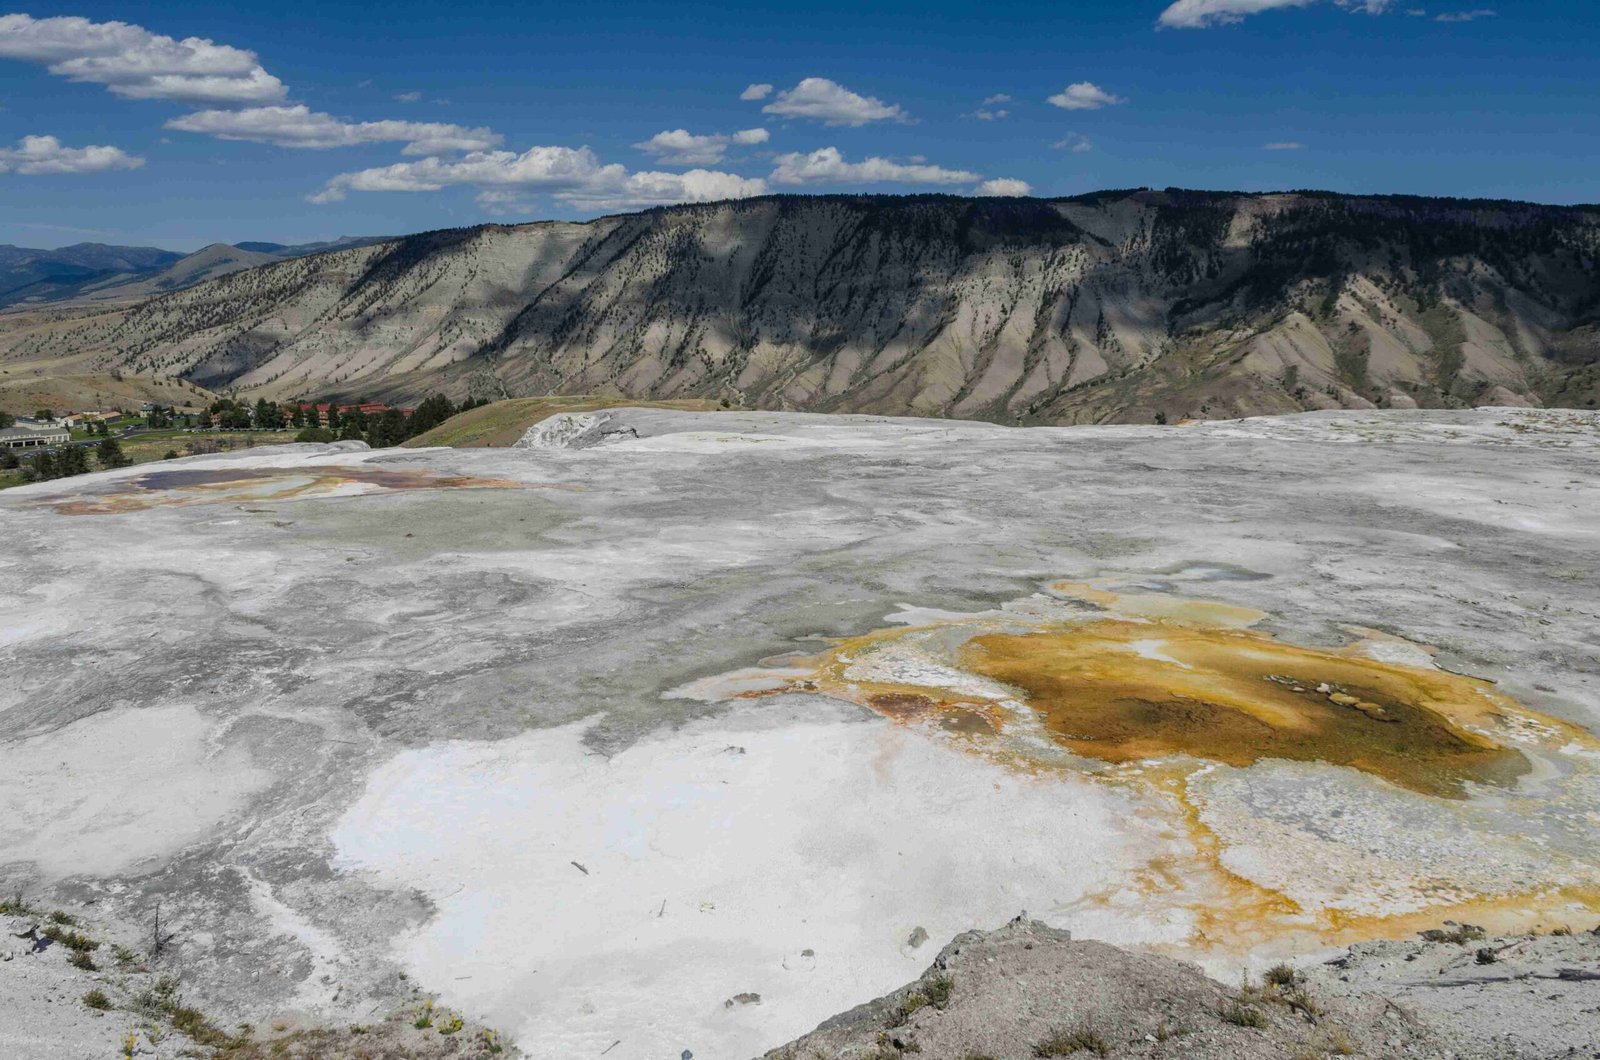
x=179, y=487
x=1126, y=691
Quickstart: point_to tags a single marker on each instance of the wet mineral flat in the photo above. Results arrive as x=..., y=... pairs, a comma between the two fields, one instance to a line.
x=601, y=738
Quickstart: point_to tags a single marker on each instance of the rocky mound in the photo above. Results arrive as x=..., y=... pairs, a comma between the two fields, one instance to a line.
x=1028, y=990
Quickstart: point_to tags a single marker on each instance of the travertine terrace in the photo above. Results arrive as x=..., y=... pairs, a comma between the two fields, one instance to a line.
x=600, y=737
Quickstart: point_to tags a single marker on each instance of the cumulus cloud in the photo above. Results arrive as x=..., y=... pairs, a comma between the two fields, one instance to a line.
x=999, y=97
x=663, y=189
x=1284, y=145
x=1464, y=16
x=135, y=63
x=756, y=92
x=831, y=103
x=1197, y=14
x=827, y=166
x=1084, y=95
x=680, y=147
x=990, y=114
x=573, y=174
x=40, y=155
x=407, y=97
x=300, y=126
x=1006, y=186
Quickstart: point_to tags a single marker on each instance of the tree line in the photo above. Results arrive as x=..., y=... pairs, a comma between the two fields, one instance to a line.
x=379, y=430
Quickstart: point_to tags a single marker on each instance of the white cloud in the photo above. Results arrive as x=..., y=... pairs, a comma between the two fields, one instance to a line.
x=826, y=101
x=661, y=189
x=299, y=126
x=1284, y=145
x=1196, y=14
x=827, y=166
x=1084, y=95
x=986, y=114
x=756, y=92
x=40, y=155
x=407, y=97
x=1465, y=16
x=680, y=147
x=574, y=175
x=1006, y=186
x=137, y=64
x=999, y=97
x=1075, y=142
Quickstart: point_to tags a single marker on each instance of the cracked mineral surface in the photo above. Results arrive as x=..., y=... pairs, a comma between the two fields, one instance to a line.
x=589, y=737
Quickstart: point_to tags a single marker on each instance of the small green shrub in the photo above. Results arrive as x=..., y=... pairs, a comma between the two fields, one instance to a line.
x=938, y=990
x=1280, y=975
x=97, y=1000
x=1080, y=1039
x=902, y=1012
x=64, y=919
x=161, y=999
x=451, y=1025
x=1242, y=1016
x=1460, y=934
x=81, y=959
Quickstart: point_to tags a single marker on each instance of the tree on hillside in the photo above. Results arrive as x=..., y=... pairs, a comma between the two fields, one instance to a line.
x=7, y=420
x=109, y=453
x=43, y=414
x=434, y=410
x=350, y=432
x=297, y=418
x=333, y=416
x=386, y=429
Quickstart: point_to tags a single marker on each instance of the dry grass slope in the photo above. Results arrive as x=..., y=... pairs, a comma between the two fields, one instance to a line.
x=501, y=423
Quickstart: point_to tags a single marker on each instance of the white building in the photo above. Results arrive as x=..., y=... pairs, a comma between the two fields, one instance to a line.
x=29, y=437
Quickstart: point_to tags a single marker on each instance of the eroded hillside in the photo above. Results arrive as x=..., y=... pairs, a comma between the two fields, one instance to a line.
x=1122, y=305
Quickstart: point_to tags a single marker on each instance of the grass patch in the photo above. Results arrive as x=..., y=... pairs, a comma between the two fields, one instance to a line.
x=76, y=941
x=81, y=959
x=1080, y=1039
x=97, y=1000
x=16, y=905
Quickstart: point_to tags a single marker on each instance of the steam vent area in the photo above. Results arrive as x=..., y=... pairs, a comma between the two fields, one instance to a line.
x=674, y=734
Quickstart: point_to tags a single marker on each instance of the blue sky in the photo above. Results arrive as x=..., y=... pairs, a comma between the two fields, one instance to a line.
x=180, y=124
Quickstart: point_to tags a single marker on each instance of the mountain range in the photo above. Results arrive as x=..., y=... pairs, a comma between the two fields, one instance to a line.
x=1121, y=305
x=98, y=272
